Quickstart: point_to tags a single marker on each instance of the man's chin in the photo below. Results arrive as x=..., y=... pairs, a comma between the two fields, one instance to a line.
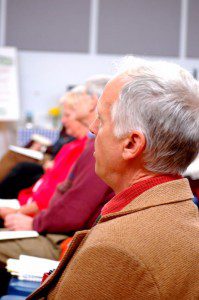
x=96, y=169
x=99, y=173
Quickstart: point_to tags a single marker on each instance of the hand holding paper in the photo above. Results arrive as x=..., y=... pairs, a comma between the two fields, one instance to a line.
x=18, y=222
x=4, y=211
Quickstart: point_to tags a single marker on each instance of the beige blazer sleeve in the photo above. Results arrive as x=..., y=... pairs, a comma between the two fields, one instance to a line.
x=104, y=272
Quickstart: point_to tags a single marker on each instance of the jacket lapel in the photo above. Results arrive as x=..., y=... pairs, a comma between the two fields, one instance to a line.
x=54, y=277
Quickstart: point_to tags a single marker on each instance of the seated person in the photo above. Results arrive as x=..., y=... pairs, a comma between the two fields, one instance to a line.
x=74, y=206
x=146, y=243
x=38, y=197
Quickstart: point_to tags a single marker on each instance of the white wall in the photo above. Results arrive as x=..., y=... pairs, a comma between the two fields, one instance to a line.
x=44, y=76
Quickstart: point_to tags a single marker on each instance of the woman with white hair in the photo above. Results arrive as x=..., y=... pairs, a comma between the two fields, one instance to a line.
x=37, y=197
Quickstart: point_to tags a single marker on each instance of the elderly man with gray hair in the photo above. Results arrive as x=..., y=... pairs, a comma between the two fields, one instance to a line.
x=146, y=243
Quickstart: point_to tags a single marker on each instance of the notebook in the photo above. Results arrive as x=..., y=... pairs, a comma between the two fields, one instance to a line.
x=30, y=268
x=27, y=152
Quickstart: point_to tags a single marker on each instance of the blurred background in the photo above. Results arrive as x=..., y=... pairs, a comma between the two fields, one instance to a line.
x=47, y=46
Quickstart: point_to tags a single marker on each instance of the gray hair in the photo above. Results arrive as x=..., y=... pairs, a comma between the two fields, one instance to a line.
x=96, y=84
x=161, y=101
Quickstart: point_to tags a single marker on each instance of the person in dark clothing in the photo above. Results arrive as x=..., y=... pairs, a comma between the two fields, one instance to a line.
x=25, y=174
x=63, y=139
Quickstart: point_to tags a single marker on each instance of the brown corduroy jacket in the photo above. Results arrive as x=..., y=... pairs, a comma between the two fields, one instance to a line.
x=149, y=250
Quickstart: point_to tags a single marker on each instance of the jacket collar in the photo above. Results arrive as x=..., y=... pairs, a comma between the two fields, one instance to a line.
x=165, y=193
x=119, y=201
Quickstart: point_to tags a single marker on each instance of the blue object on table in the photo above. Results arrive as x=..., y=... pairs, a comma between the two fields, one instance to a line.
x=21, y=287
x=12, y=297
x=24, y=134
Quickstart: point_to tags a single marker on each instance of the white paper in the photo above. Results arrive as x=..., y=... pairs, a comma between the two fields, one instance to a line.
x=11, y=203
x=10, y=235
x=9, y=89
x=30, y=267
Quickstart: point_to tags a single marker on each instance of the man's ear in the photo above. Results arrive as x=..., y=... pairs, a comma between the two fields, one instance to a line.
x=134, y=145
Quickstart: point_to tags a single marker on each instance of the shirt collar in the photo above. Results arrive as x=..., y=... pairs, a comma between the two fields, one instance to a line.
x=122, y=199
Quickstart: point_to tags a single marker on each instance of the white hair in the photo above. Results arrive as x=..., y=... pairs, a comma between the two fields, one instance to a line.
x=73, y=93
x=79, y=89
x=96, y=84
x=161, y=101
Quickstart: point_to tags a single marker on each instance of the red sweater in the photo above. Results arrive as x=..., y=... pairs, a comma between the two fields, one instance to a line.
x=44, y=188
